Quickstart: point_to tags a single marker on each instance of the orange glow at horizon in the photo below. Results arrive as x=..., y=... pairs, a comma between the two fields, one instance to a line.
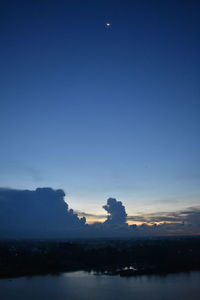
x=91, y=220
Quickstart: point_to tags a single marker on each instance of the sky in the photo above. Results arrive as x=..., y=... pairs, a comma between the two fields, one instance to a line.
x=102, y=111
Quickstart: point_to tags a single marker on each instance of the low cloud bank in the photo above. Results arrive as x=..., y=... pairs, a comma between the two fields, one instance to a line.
x=43, y=213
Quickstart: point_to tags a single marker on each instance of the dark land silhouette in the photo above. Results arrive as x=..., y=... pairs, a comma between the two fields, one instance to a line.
x=125, y=257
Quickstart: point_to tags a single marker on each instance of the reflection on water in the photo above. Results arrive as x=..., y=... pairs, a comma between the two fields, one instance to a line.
x=81, y=285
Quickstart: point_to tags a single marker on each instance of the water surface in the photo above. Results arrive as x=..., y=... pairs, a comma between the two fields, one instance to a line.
x=81, y=285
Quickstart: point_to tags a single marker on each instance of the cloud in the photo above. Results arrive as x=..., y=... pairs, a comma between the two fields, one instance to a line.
x=28, y=171
x=117, y=213
x=185, y=222
x=43, y=213
x=90, y=215
x=152, y=218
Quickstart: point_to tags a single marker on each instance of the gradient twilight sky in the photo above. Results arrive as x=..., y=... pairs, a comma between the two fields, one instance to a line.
x=102, y=111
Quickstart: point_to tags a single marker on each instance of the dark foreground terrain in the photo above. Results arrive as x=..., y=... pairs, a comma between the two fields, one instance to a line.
x=125, y=257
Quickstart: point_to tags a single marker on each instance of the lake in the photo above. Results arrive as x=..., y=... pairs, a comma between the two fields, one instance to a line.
x=82, y=285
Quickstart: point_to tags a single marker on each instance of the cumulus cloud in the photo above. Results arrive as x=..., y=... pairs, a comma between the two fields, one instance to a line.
x=116, y=211
x=43, y=213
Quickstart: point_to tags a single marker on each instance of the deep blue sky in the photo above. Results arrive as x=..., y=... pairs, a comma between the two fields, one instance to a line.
x=102, y=112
